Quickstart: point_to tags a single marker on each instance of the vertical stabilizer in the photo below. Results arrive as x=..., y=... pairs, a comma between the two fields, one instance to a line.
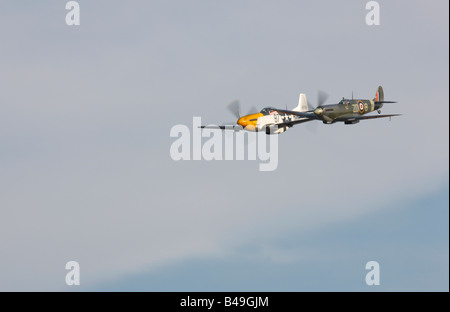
x=379, y=96
x=302, y=104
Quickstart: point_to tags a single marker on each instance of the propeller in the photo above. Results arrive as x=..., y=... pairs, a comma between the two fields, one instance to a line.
x=322, y=97
x=253, y=110
x=235, y=108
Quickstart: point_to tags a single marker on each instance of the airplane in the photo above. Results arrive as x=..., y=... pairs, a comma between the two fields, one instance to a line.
x=276, y=121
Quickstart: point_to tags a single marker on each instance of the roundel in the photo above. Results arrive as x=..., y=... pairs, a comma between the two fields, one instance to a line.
x=362, y=107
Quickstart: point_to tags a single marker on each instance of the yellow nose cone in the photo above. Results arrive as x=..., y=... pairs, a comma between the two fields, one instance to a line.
x=243, y=121
x=249, y=120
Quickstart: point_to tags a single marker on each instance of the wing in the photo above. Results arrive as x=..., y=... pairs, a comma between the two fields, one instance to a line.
x=309, y=115
x=226, y=127
x=293, y=123
x=365, y=117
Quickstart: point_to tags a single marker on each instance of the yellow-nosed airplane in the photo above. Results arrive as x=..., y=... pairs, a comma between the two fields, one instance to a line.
x=269, y=119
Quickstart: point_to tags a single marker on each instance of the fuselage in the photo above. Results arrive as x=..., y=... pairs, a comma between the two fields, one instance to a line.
x=269, y=120
x=346, y=109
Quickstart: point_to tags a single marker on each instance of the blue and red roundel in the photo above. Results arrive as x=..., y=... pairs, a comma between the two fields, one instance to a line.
x=362, y=107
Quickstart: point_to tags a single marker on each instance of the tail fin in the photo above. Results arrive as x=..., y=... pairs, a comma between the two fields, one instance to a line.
x=379, y=96
x=302, y=104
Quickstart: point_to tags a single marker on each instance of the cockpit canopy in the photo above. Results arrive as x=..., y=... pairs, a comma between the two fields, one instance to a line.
x=267, y=110
x=344, y=101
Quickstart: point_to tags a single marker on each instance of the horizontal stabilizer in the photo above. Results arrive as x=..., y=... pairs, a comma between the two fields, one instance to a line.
x=384, y=102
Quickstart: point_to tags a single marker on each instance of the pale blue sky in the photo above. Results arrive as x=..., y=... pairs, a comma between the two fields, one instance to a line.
x=86, y=174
